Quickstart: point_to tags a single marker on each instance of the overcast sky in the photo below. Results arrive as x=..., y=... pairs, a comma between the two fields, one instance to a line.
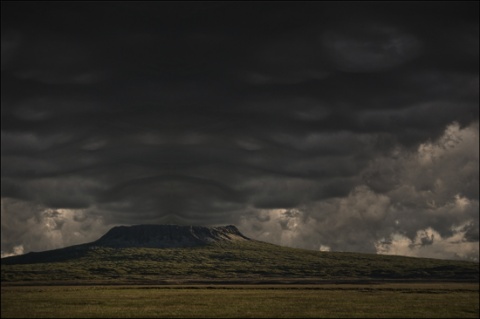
x=342, y=126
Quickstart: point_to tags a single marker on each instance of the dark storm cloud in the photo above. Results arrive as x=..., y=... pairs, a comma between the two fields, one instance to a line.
x=312, y=124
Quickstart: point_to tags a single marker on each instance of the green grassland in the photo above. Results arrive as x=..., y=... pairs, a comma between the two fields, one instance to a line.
x=420, y=300
x=227, y=261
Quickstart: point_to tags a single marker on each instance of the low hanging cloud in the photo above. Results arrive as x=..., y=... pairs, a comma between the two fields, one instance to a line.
x=316, y=125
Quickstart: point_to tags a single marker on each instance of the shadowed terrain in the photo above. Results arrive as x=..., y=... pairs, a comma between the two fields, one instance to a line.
x=176, y=254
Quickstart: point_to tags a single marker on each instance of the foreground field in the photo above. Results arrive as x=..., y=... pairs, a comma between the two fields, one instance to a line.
x=427, y=300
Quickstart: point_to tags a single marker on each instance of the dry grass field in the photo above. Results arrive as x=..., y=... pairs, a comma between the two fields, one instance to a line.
x=387, y=300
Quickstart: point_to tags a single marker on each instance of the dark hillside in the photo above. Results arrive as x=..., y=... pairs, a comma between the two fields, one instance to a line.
x=168, y=253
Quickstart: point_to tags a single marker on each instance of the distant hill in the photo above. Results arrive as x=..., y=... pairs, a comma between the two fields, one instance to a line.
x=170, y=253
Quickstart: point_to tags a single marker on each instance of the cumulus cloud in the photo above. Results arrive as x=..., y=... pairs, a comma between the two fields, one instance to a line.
x=39, y=228
x=17, y=250
x=416, y=203
x=430, y=244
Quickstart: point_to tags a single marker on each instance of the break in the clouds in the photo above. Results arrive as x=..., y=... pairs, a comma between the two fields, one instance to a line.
x=349, y=126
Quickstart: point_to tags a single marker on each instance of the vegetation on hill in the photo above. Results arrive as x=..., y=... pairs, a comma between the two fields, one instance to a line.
x=223, y=261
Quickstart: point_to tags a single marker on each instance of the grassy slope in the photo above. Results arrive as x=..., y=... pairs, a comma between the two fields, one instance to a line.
x=242, y=260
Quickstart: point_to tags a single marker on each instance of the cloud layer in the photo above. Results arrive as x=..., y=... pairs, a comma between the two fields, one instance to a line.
x=315, y=125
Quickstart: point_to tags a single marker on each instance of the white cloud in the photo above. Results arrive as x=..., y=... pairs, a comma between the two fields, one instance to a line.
x=36, y=228
x=16, y=250
x=429, y=243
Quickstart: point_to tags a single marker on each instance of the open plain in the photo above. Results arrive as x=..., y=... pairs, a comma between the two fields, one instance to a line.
x=374, y=300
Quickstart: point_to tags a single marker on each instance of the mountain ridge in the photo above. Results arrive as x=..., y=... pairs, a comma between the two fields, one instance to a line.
x=167, y=236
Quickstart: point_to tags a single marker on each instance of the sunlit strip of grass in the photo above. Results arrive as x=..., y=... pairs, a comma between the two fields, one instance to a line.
x=335, y=301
